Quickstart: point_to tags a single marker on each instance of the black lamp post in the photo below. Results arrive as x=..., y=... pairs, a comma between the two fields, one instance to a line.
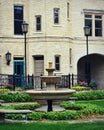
x=25, y=30
x=8, y=57
x=87, y=33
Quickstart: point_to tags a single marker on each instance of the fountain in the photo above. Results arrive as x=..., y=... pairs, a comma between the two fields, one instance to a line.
x=50, y=93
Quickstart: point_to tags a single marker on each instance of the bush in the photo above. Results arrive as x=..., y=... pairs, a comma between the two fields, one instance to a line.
x=85, y=110
x=64, y=115
x=79, y=88
x=15, y=97
x=26, y=106
x=91, y=109
x=18, y=89
x=91, y=95
x=68, y=105
x=93, y=84
x=3, y=90
x=35, y=116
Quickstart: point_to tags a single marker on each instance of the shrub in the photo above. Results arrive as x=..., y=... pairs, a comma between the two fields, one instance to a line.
x=35, y=116
x=15, y=97
x=68, y=105
x=14, y=116
x=3, y=90
x=64, y=115
x=91, y=109
x=93, y=84
x=27, y=106
x=18, y=89
x=81, y=111
x=96, y=94
x=79, y=88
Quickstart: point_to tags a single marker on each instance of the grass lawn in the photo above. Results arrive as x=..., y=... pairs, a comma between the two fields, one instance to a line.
x=53, y=126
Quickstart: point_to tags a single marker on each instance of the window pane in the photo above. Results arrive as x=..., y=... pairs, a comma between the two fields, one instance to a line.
x=98, y=17
x=57, y=67
x=88, y=16
x=98, y=32
x=98, y=24
x=57, y=59
x=17, y=27
x=38, y=20
x=18, y=19
x=56, y=16
x=57, y=62
x=89, y=23
x=38, y=23
x=18, y=12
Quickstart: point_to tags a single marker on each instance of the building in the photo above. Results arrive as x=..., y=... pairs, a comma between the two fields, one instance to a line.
x=55, y=35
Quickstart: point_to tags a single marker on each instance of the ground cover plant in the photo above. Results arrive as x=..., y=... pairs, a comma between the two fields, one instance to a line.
x=89, y=95
x=53, y=126
x=23, y=106
x=73, y=111
x=15, y=97
x=77, y=110
x=97, y=102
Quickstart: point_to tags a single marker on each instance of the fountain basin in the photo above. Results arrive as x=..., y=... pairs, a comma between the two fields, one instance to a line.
x=50, y=95
x=50, y=79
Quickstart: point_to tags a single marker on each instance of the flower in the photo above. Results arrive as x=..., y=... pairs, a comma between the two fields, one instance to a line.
x=8, y=85
x=83, y=83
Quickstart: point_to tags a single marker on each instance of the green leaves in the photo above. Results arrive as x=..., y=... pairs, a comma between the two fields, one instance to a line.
x=89, y=95
x=15, y=97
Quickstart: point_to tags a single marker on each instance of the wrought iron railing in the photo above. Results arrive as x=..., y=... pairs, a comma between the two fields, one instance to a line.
x=30, y=82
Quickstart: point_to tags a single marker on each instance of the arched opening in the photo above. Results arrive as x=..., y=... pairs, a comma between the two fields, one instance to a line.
x=96, y=68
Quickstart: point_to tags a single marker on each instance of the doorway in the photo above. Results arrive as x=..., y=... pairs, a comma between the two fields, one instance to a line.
x=96, y=69
x=39, y=65
x=19, y=71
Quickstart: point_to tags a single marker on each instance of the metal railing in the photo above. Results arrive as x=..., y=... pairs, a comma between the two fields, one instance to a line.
x=30, y=82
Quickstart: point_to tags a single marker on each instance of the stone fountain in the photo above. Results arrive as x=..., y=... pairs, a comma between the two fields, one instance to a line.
x=50, y=93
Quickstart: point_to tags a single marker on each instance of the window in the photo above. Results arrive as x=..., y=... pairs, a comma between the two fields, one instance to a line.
x=95, y=23
x=56, y=16
x=57, y=63
x=18, y=19
x=38, y=23
x=88, y=22
x=98, y=25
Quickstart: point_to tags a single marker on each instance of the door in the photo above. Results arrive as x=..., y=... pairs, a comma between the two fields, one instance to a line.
x=39, y=70
x=39, y=65
x=19, y=72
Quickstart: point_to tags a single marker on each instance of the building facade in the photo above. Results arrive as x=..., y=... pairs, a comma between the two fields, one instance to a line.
x=55, y=35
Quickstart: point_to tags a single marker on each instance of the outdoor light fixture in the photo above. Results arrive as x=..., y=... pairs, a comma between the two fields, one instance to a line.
x=87, y=30
x=24, y=27
x=87, y=33
x=8, y=57
x=25, y=30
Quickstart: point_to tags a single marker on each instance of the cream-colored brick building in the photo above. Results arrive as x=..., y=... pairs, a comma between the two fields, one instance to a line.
x=55, y=35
